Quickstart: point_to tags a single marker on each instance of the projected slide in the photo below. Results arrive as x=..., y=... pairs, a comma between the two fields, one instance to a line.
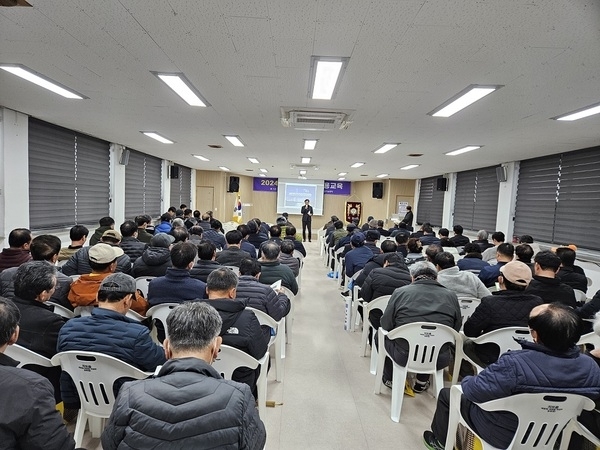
x=292, y=193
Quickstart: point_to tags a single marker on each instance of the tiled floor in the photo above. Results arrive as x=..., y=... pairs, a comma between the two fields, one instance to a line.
x=326, y=397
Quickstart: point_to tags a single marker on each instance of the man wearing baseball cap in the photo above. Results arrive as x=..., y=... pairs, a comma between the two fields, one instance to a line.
x=508, y=307
x=108, y=330
x=103, y=262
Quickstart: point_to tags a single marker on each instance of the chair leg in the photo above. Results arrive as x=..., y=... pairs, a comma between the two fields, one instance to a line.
x=80, y=427
x=398, y=381
x=283, y=331
x=438, y=379
x=381, y=354
x=374, y=356
x=261, y=388
x=95, y=424
x=566, y=435
x=279, y=359
x=453, y=419
x=365, y=338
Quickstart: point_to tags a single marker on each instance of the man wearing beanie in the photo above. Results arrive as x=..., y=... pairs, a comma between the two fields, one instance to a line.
x=508, y=307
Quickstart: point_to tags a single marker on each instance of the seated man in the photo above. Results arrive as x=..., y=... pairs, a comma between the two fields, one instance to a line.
x=240, y=328
x=415, y=251
x=337, y=234
x=425, y=300
x=461, y=282
x=255, y=236
x=214, y=235
x=552, y=363
x=19, y=240
x=156, y=259
x=489, y=274
x=109, y=331
x=472, y=260
x=508, y=307
x=458, y=239
x=79, y=263
x=130, y=243
x=290, y=234
x=177, y=286
x=198, y=408
x=35, y=282
x=546, y=285
x=272, y=270
x=44, y=247
x=28, y=416
x=261, y=296
x=244, y=244
x=142, y=222
x=371, y=238
x=429, y=236
x=489, y=254
x=232, y=255
x=286, y=257
x=106, y=223
x=359, y=254
x=482, y=240
x=207, y=252
x=444, y=235
x=567, y=273
x=377, y=261
x=78, y=235
x=524, y=253
x=103, y=262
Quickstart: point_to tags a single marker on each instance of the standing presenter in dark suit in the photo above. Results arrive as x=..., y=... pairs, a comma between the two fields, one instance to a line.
x=307, y=213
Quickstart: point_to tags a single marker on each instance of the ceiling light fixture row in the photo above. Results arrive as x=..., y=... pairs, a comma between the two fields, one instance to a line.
x=464, y=98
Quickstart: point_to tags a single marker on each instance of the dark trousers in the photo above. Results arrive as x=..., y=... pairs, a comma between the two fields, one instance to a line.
x=439, y=424
x=306, y=225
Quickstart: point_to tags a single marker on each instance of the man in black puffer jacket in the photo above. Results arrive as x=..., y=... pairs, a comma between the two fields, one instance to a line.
x=156, y=259
x=241, y=328
x=187, y=404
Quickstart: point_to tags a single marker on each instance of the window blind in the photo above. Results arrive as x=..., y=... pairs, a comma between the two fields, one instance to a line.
x=142, y=185
x=181, y=187
x=431, y=203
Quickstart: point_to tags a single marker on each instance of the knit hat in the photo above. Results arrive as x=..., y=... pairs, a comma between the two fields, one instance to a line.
x=104, y=253
x=162, y=240
x=118, y=282
x=517, y=273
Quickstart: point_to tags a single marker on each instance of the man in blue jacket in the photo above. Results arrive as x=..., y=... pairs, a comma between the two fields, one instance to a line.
x=109, y=331
x=552, y=364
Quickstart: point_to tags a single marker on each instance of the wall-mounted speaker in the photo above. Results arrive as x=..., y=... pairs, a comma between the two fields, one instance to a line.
x=442, y=184
x=174, y=172
x=501, y=174
x=234, y=184
x=124, y=159
x=377, y=189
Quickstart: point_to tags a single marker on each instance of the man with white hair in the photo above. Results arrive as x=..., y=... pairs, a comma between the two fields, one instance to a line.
x=186, y=404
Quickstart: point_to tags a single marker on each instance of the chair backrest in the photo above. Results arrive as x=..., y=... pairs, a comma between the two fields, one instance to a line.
x=61, y=262
x=61, y=310
x=83, y=311
x=541, y=416
x=289, y=294
x=230, y=358
x=142, y=284
x=425, y=341
x=26, y=357
x=234, y=269
x=298, y=256
x=504, y=338
x=135, y=316
x=452, y=250
x=94, y=375
x=160, y=313
x=467, y=307
x=377, y=303
x=580, y=296
x=590, y=338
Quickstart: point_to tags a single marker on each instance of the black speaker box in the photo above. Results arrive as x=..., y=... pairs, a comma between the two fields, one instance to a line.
x=442, y=184
x=378, y=190
x=234, y=184
x=174, y=172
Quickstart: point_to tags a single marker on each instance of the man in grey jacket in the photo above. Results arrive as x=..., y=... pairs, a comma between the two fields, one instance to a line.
x=187, y=404
x=462, y=282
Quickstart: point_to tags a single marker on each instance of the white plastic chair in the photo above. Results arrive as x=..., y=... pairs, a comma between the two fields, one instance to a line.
x=142, y=284
x=278, y=339
x=590, y=338
x=234, y=269
x=75, y=277
x=575, y=426
x=377, y=303
x=135, y=316
x=353, y=296
x=424, y=343
x=231, y=358
x=26, y=357
x=61, y=310
x=504, y=338
x=541, y=417
x=300, y=257
x=467, y=306
x=83, y=311
x=94, y=375
x=160, y=313
x=580, y=296
x=289, y=319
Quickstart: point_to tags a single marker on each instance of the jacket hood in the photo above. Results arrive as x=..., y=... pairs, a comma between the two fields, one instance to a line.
x=229, y=310
x=573, y=352
x=196, y=365
x=156, y=256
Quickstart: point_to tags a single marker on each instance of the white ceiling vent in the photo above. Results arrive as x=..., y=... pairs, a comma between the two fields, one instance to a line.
x=315, y=119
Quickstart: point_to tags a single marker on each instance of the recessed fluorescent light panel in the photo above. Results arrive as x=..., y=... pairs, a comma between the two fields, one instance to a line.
x=201, y=158
x=357, y=164
x=224, y=168
x=580, y=113
x=341, y=179
x=463, y=99
x=383, y=175
x=385, y=148
x=341, y=174
x=325, y=76
x=310, y=144
x=158, y=137
x=37, y=78
x=235, y=140
x=261, y=175
x=302, y=172
x=466, y=149
x=253, y=160
x=182, y=87
x=305, y=160
x=411, y=166
x=264, y=170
